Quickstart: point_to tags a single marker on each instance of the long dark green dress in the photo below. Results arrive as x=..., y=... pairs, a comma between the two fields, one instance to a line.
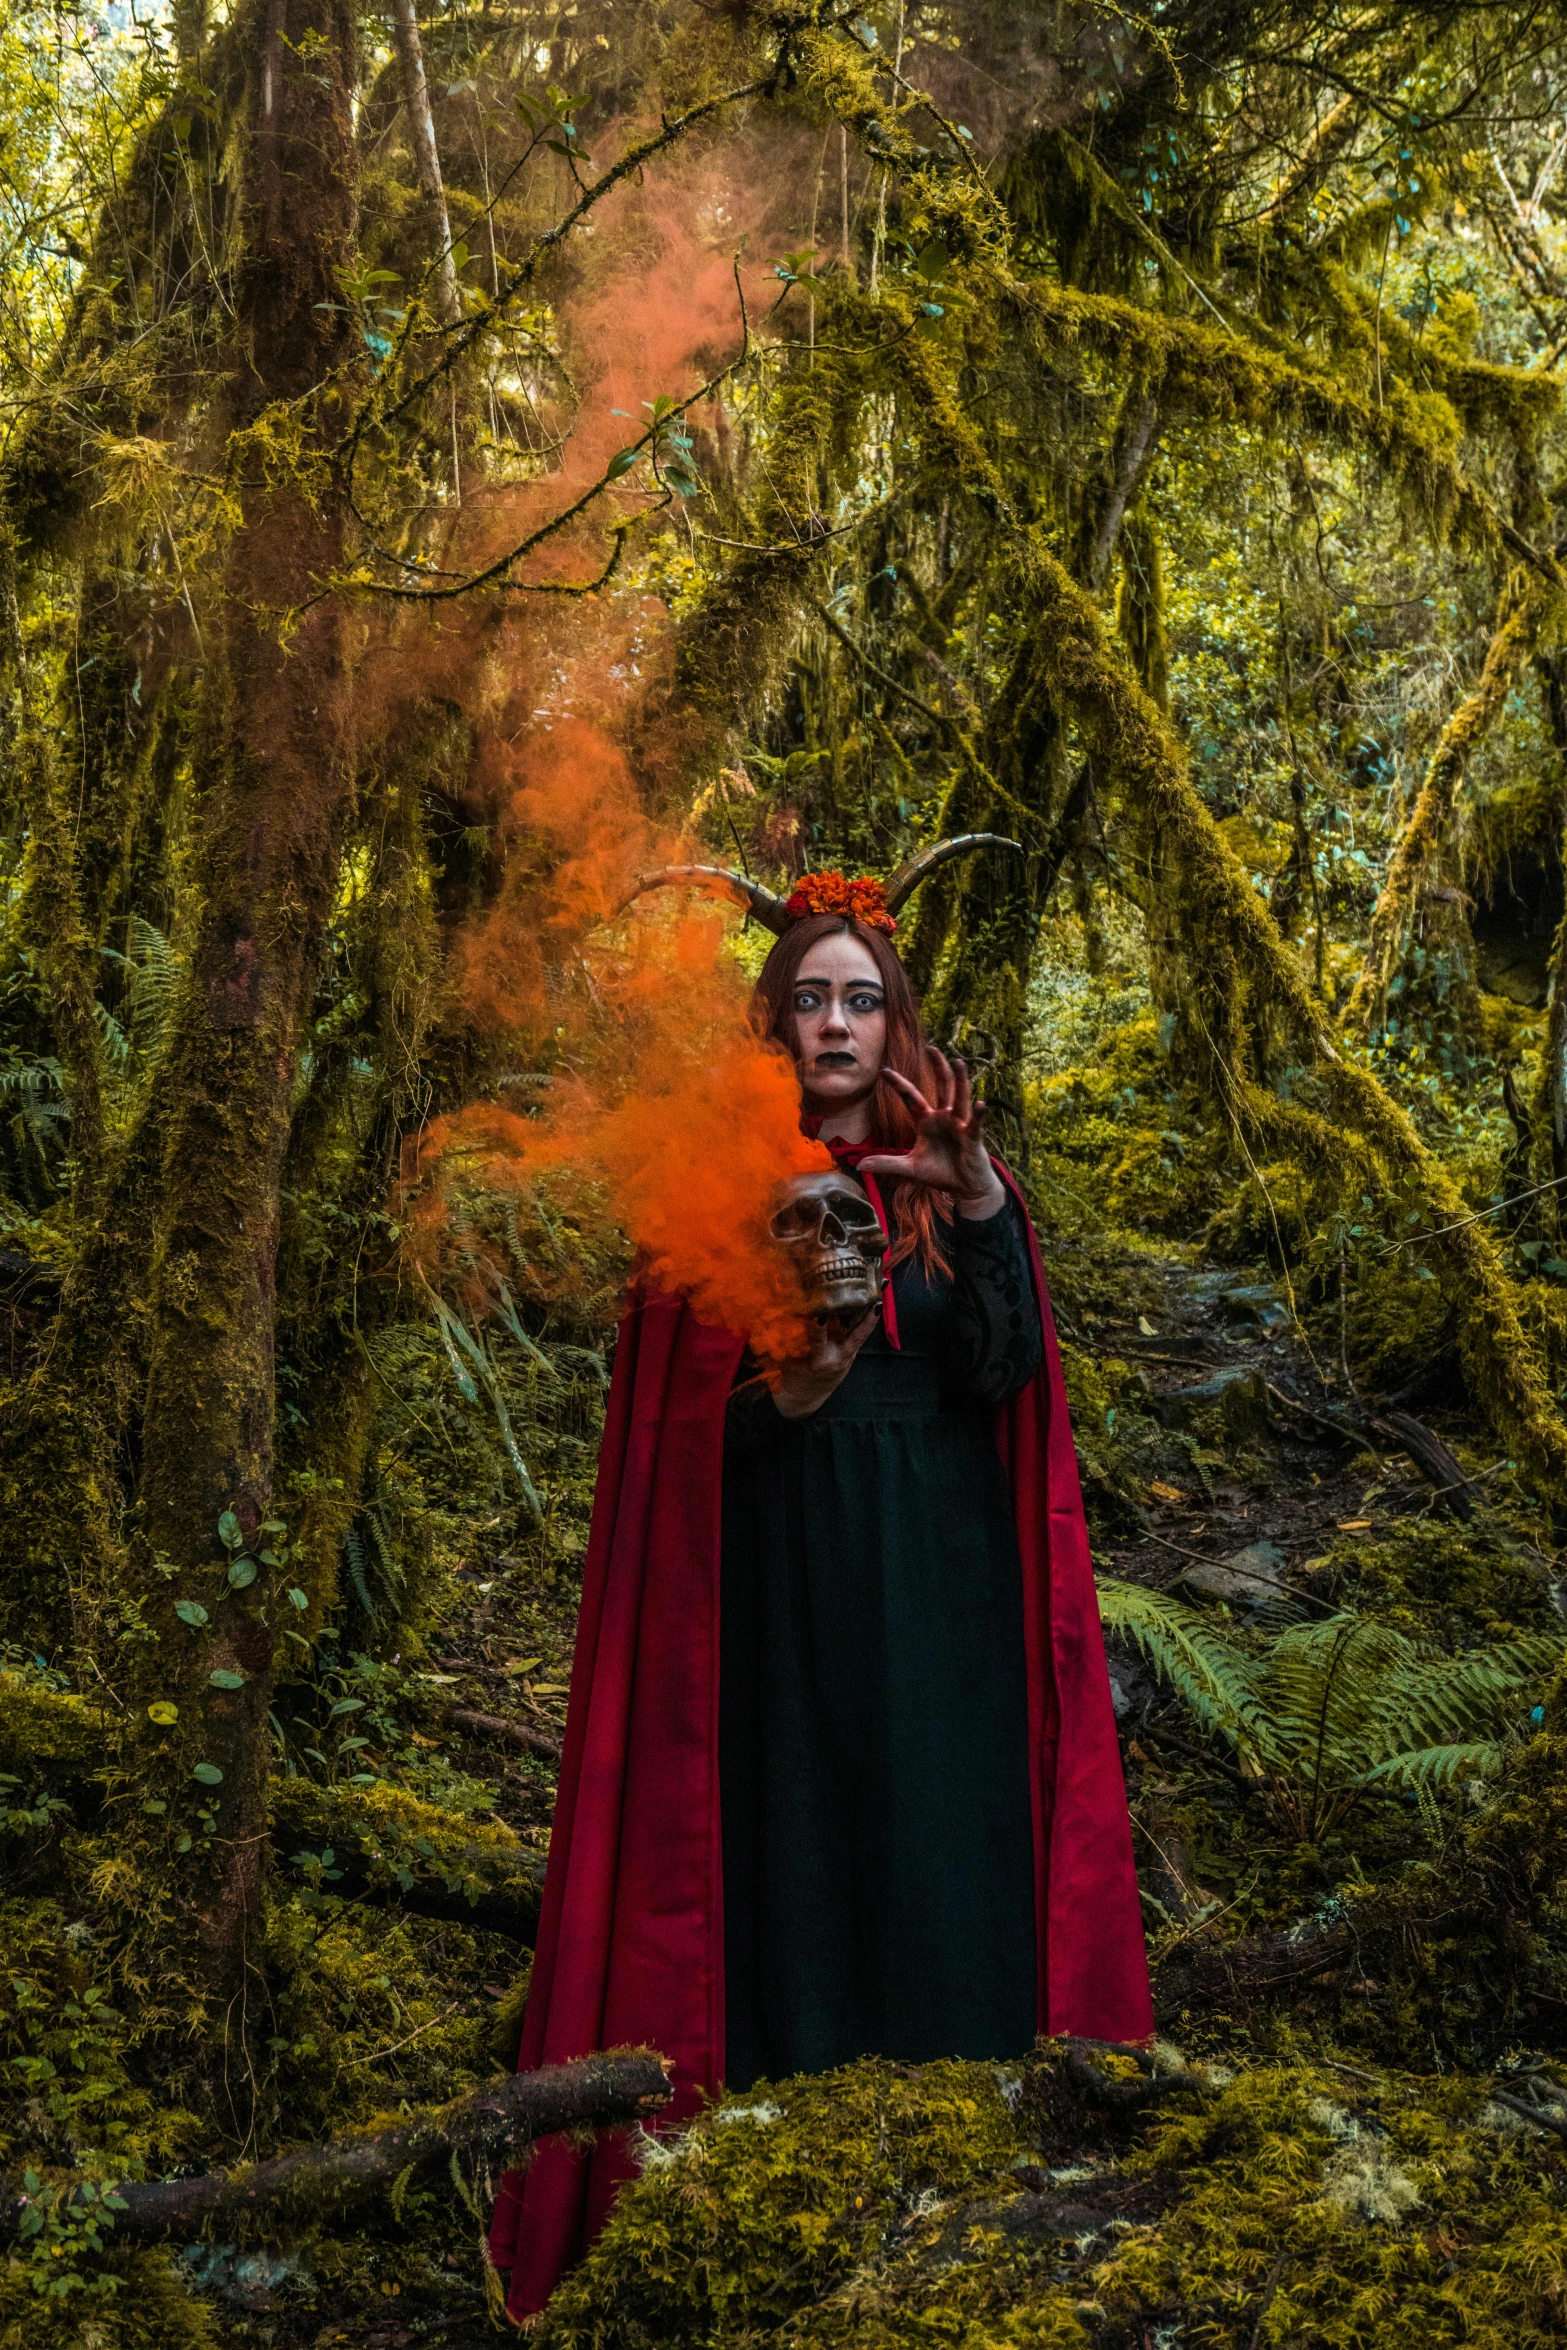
x=873, y=1760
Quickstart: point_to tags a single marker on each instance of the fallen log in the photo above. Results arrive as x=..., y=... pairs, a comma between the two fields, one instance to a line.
x=501, y=1726
x=311, y=2182
x=1197, y=1975
x=388, y=1847
x=1431, y=1457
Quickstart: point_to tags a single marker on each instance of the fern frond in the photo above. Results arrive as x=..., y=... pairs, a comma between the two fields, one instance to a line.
x=1445, y=1699
x=1207, y=1672
x=1322, y=1690
x=1425, y=1766
x=354, y=1560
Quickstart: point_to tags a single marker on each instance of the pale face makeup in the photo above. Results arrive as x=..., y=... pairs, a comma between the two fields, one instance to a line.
x=839, y=1007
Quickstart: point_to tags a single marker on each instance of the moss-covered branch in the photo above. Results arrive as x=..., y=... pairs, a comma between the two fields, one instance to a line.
x=304, y=2186
x=1518, y=617
x=1242, y=976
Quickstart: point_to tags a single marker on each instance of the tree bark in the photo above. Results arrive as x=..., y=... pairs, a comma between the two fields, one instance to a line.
x=1133, y=454
x=272, y=787
x=594, y=2093
x=427, y=158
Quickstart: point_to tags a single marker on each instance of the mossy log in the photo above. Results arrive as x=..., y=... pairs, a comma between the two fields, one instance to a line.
x=50, y=1730
x=304, y=2185
x=388, y=1846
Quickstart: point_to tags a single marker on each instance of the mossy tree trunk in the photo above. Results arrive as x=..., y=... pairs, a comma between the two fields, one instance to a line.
x=273, y=774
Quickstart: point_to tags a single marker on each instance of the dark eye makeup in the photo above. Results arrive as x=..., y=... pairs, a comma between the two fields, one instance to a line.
x=861, y=999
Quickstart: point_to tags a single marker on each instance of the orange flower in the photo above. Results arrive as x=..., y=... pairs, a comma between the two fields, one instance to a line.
x=829, y=893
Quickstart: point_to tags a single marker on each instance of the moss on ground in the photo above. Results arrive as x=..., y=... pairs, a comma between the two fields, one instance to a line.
x=1281, y=2202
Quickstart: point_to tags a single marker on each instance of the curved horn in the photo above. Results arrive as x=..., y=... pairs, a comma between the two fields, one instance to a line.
x=924, y=862
x=750, y=896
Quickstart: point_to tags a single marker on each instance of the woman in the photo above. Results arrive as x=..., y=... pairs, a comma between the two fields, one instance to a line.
x=873, y=1709
x=840, y=1774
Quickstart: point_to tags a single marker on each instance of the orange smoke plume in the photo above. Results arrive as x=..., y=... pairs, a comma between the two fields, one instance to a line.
x=659, y=1103
x=683, y=1115
x=660, y=1092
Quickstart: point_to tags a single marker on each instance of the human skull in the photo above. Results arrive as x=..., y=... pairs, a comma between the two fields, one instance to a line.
x=834, y=1241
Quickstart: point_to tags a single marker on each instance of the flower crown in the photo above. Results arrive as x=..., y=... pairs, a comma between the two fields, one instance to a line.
x=864, y=899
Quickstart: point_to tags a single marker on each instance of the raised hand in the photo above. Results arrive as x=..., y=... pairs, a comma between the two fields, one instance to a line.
x=948, y=1151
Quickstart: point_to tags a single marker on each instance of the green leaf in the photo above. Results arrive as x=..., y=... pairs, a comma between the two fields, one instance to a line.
x=155, y=1805
x=345, y=1705
x=460, y=256
x=243, y=1573
x=222, y=1679
x=230, y=1532
x=298, y=1598
x=621, y=463
x=163, y=1712
x=208, y=1774
x=191, y=1611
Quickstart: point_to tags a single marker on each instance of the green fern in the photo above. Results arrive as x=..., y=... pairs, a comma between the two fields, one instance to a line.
x=372, y=1555
x=1324, y=1711
x=149, y=969
x=1440, y=1766
x=1210, y=1675
x=34, y=1129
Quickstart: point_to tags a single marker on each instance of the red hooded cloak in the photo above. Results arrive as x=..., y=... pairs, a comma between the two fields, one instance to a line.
x=631, y=1929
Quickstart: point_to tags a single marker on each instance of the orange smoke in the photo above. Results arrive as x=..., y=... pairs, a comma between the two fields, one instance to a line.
x=658, y=1088
x=671, y=1102
x=632, y=1031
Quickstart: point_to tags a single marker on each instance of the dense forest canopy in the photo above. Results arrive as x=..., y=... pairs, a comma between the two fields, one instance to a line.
x=455, y=459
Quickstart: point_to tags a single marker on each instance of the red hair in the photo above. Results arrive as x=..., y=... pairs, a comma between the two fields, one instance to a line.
x=912, y=1207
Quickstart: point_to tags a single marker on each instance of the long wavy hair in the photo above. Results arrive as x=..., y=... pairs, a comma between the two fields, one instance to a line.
x=915, y=1210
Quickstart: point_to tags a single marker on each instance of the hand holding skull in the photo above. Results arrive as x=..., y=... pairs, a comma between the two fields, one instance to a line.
x=834, y=1244
x=948, y=1151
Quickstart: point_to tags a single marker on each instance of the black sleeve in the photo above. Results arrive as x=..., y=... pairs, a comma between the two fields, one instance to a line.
x=1000, y=1343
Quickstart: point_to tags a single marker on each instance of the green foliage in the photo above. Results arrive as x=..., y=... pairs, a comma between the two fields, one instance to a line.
x=1327, y=1710
x=1255, y=357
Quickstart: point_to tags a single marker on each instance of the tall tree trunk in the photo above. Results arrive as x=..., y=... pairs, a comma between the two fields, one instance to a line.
x=1552, y=669
x=272, y=785
x=427, y=158
x=52, y=904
